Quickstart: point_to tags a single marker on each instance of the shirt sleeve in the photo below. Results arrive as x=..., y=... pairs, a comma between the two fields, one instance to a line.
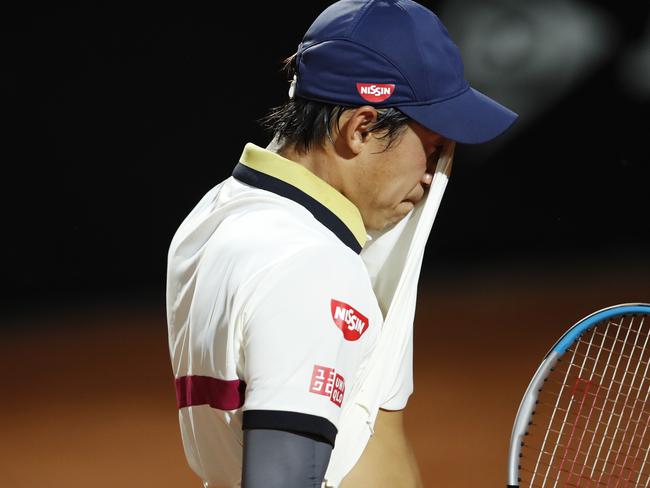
x=307, y=329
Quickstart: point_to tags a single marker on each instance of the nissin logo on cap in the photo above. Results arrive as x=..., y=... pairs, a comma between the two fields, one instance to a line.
x=351, y=322
x=375, y=92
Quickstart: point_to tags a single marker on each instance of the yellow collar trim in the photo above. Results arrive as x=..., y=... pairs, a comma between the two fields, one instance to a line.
x=290, y=172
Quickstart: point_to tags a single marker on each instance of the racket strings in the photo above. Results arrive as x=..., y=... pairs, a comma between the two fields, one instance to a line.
x=636, y=348
x=596, y=405
x=562, y=419
x=574, y=481
x=624, y=356
x=594, y=468
x=591, y=393
x=631, y=368
x=577, y=425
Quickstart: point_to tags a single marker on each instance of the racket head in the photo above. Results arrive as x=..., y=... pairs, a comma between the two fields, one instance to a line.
x=584, y=419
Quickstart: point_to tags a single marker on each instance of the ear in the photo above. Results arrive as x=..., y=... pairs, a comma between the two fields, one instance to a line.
x=354, y=133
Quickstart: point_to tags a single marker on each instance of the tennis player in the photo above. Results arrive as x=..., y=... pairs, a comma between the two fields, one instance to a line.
x=291, y=285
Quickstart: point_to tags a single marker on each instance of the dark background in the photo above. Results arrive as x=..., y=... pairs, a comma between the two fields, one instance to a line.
x=121, y=117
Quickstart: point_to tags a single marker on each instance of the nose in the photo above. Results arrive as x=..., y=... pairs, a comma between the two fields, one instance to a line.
x=426, y=179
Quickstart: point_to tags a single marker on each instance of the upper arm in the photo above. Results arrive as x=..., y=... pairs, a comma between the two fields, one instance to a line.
x=306, y=330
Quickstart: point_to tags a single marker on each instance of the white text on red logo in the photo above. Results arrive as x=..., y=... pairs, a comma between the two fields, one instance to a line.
x=325, y=381
x=352, y=322
x=375, y=92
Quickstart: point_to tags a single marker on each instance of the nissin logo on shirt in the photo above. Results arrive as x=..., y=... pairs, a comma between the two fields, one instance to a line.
x=352, y=322
x=375, y=92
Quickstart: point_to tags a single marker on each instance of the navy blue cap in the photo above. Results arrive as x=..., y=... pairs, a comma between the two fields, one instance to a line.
x=395, y=53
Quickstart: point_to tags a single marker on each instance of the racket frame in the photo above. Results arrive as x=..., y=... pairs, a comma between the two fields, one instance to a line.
x=529, y=401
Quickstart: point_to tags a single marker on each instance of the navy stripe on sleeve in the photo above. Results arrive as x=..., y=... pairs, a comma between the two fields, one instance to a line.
x=290, y=421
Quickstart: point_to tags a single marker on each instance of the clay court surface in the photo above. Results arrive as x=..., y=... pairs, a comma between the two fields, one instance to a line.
x=88, y=399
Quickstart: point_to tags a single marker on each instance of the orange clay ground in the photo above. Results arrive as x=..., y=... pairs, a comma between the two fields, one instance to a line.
x=87, y=397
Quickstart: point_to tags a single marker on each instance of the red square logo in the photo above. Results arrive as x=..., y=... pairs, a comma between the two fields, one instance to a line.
x=322, y=380
x=325, y=381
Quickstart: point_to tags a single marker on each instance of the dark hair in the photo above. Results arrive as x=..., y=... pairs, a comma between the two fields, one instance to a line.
x=304, y=123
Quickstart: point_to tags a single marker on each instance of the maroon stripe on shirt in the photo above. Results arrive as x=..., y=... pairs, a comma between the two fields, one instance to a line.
x=203, y=390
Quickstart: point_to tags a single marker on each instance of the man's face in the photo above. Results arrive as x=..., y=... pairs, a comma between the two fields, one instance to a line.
x=388, y=183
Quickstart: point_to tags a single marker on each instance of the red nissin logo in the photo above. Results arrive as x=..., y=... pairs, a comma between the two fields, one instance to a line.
x=350, y=321
x=375, y=92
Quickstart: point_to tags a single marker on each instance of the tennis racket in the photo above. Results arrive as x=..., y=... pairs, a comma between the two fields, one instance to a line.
x=584, y=420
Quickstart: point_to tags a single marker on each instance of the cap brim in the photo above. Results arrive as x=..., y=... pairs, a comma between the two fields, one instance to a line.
x=469, y=118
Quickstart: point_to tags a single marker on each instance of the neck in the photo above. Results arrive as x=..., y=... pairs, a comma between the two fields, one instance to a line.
x=319, y=161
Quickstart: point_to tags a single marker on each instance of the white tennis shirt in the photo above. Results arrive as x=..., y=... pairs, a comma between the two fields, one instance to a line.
x=271, y=312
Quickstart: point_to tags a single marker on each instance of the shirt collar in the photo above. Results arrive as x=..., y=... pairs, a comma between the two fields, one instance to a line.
x=268, y=170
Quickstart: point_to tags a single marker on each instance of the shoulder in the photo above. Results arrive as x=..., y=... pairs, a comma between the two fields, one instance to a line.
x=318, y=275
x=317, y=265
x=322, y=261
x=279, y=233
x=239, y=237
